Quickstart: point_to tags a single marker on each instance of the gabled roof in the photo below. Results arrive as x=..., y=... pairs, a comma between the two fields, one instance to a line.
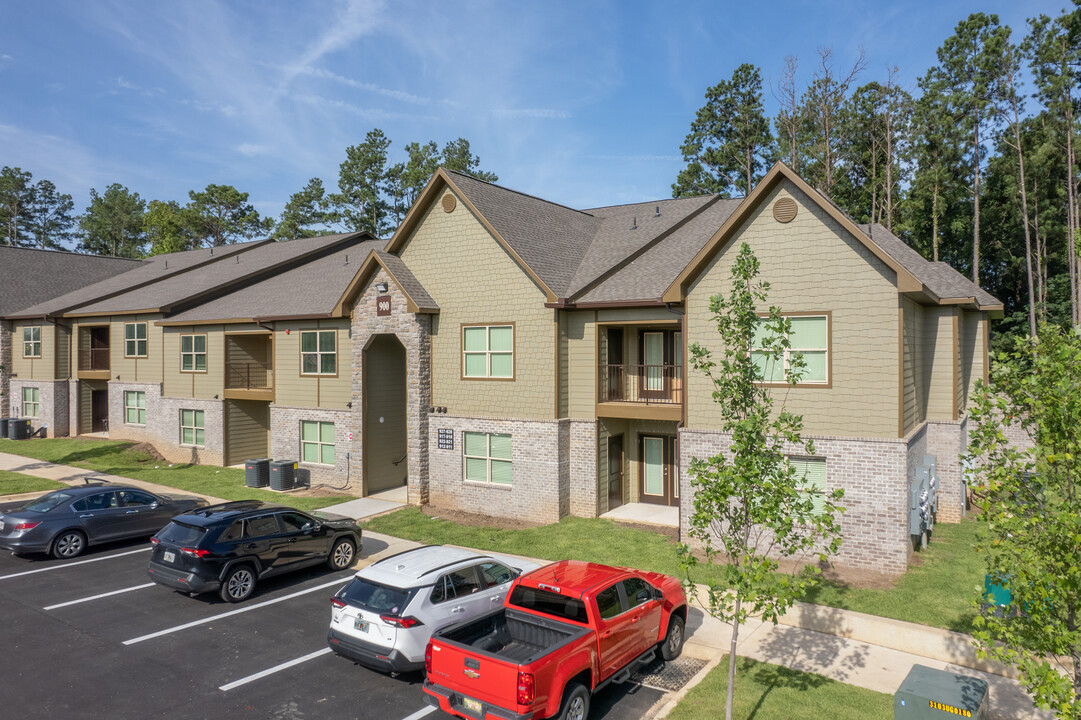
x=417, y=298
x=29, y=276
x=310, y=290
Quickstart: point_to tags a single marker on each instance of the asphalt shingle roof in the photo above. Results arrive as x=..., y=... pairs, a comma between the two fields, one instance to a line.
x=29, y=276
x=408, y=280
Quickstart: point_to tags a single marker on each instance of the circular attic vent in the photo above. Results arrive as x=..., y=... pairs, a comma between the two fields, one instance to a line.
x=784, y=210
x=449, y=202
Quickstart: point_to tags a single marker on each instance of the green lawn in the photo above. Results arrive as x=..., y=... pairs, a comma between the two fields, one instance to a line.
x=116, y=458
x=14, y=483
x=938, y=592
x=771, y=692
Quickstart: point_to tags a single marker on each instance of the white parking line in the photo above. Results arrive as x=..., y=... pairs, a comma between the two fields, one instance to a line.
x=244, y=609
x=95, y=597
x=276, y=668
x=421, y=713
x=77, y=562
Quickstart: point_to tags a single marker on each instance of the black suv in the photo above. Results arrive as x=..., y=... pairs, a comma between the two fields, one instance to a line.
x=229, y=547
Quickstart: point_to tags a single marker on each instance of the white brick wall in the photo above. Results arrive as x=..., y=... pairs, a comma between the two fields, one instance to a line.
x=285, y=442
x=52, y=404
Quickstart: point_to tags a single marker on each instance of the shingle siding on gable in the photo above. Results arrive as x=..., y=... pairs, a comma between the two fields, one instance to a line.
x=813, y=264
x=475, y=281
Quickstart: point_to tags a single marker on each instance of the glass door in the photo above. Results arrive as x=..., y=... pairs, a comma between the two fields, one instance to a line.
x=656, y=474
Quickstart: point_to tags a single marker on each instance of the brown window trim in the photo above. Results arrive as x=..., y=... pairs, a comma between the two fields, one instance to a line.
x=205, y=353
x=300, y=350
x=828, y=314
x=513, y=350
x=146, y=339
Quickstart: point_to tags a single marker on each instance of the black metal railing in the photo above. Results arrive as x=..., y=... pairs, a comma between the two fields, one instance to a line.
x=247, y=376
x=94, y=359
x=641, y=383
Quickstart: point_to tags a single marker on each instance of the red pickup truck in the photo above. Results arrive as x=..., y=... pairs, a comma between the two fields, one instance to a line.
x=565, y=631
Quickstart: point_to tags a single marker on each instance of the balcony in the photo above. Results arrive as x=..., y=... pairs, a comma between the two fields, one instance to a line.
x=249, y=381
x=652, y=392
x=94, y=363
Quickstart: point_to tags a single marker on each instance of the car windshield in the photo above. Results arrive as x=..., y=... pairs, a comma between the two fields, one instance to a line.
x=382, y=599
x=549, y=603
x=45, y=503
x=181, y=534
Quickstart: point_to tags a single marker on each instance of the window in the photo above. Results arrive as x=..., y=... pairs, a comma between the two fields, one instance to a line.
x=31, y=342
x=809, y=339
x=811, y=474
x=31, y=404
x=136, y=498
x=260, y=526
x=317, y=442
x=457, y=584
x=233, y=532
x=135, y=339
x=495, y=574
x=193, y=353
x=295, y=522
x=487, y=457
x=488, y=351
x=638, y=591
x=192, y=425
x=134, y=407
x=318, y=354
x=99, y=501
x=608, y=603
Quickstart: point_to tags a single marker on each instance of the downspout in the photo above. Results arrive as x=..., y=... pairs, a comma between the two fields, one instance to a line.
x=683, y=414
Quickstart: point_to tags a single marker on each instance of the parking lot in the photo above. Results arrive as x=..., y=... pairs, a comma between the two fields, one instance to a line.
x=93, y=636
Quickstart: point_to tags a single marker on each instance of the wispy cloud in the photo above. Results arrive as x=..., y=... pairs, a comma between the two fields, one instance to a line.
x=369, y=113
x=537, y=113
x=369, y=87
x=251, y=149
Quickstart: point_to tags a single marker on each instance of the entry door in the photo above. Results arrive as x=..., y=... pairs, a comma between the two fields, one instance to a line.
x=657, y=482
x=654, y=382
x=615, y=471
x=99, y=410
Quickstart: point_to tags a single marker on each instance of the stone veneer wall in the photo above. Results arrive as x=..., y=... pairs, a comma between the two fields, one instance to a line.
x=52, y=404
x=874, y=475
x=5, y=363
x=414, y=332
x=285, y=442
x=162, y=429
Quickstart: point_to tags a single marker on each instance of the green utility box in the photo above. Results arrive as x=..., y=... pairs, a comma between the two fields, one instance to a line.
x=928, y=694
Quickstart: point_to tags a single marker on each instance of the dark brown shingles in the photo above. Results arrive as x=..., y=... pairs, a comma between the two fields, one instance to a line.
x=29, y=276
x=408, y=280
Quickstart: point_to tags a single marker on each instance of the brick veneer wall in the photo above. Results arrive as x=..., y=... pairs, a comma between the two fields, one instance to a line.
x=162, y=429
x=947, y=441
x=52, y=404
x=414, y=332
x=873, y=473
x=584, y=491
x=285, y=442
x=5, y=362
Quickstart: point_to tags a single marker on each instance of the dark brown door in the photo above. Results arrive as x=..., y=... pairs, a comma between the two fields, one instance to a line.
x=99, y=348
x=99, y=411
x=615, y=471
x=615, y=369
x=657, y=482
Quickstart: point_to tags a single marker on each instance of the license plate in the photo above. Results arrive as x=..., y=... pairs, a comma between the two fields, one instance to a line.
x=361, y=625
x=473, y=705
x=168, y=556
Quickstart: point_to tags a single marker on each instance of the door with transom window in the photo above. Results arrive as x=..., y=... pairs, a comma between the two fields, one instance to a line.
x=658, y=482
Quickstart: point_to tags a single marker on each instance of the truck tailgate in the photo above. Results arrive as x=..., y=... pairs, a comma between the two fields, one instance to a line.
x=476, y=677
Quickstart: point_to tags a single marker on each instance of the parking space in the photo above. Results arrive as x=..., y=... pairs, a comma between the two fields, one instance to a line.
x=93, y=634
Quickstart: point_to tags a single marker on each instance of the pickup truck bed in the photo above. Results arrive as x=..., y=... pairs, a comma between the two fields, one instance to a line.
x=513, y=636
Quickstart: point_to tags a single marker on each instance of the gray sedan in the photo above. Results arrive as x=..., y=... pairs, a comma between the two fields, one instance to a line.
x=66, y=521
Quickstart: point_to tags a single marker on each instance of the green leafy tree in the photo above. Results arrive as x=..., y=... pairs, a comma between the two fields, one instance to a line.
x=167, y=228
x=359, y=202
x=51, y=222
x=222, y=215
x=750, y=507
x=1031, y=513
x=730, y=143
x=457, y=156
x=306, y=214
x=16, y=195
x=113, y=223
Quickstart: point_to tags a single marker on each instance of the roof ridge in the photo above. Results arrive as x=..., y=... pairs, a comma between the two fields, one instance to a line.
x=75, y=253
x=517, y=192
x=650, y=202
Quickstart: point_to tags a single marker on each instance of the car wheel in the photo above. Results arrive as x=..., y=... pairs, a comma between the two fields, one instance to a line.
x=69, y=544
x=575, y=702
x=673, y=641
x=342, y=554
x=238, y=584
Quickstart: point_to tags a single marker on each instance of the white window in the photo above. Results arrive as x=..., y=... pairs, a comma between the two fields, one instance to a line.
x=135, y=339
x=487, y=457
x=317, y=442
x=31, y=406
x=318, y=352
x=32, y=342
x=134, y=407
x=488, y=351
x=192, y=427
x=809, y=339
x=812, y=480
x=193, y=353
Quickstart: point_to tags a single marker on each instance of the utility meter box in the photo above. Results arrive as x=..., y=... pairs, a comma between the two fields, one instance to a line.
x=923, y=499
x=929, y=694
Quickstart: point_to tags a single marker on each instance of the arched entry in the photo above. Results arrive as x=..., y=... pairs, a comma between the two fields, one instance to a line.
x=385, y=427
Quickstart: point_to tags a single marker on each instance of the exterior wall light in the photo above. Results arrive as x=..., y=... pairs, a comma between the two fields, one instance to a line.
x=382, y=287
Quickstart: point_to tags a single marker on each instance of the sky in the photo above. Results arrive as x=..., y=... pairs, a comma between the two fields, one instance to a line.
x=583, y=103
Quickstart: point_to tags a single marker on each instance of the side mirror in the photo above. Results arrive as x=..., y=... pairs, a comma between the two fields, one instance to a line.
x=154, y=505
x=658, y=594
x=642, y=597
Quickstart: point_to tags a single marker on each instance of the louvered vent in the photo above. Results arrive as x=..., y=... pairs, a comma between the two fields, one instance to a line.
x=449, y=202
x=784, y=210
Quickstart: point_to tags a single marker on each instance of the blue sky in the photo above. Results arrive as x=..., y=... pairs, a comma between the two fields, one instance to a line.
x=584, y=103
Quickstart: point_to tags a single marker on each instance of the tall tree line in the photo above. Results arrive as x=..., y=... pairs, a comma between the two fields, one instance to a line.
x=373, y=195
x=976, y=166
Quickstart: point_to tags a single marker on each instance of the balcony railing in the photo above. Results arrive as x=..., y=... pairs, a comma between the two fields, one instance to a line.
x=247, y=376
x=661, y=384
x=94, y=359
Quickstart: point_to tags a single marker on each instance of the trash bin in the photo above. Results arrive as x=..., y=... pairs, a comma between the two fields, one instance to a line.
x=18, y=428
x=928, y=693
x=282, y=474
x=257, y=472
x=3, y=427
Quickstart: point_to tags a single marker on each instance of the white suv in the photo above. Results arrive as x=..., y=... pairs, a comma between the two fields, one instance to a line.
x=384, y=618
